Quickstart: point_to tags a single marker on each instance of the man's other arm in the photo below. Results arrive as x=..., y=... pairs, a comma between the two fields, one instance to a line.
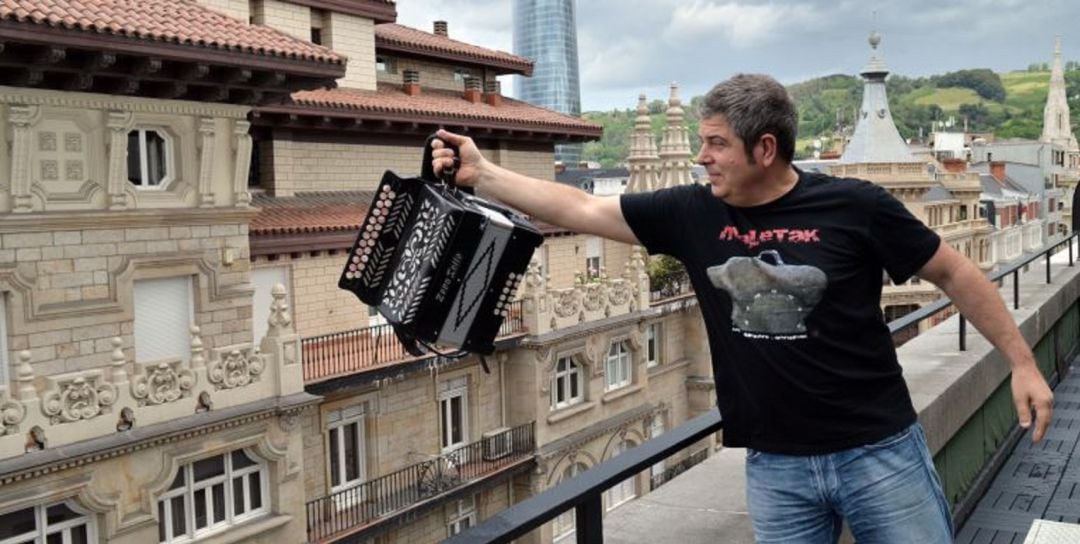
x=551, y=202
x=979, y=301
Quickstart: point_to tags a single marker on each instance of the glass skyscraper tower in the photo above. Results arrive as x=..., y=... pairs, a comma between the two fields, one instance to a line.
x=546, y=32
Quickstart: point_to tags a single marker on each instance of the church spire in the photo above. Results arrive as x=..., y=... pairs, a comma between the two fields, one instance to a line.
x=676, y=159
x=643, y=159
x=1056, y=125
x=876, y=139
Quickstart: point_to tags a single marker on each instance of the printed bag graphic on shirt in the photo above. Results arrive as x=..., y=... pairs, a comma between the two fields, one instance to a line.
x=769, y=298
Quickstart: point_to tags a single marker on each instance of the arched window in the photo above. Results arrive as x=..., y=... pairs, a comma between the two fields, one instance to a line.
x=626, y=490
x=57, y=522
x=567, y=384
x=566, y=523
x=212, y=494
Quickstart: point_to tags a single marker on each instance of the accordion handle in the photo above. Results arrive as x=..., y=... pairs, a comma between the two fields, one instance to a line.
x=427, y=171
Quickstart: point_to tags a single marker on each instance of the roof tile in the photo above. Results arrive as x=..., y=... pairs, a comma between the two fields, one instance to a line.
x=448, y=105
x=308, y=213
x=160, y=20
x=392, y=34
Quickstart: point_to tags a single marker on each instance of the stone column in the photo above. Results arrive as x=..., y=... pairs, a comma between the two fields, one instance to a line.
x=242, y=147
x=22, y=119
x=119, y=123
x=206, y=162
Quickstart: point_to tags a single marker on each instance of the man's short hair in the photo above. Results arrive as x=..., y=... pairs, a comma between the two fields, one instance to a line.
x=755, y=105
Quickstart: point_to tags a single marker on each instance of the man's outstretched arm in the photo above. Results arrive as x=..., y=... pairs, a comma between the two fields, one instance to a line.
x=547, y=201
x=979, y=301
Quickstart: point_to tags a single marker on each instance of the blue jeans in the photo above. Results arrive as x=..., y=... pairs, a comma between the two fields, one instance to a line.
x=888, y=493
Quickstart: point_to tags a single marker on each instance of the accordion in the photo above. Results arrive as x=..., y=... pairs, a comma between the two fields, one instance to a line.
x=440, y=265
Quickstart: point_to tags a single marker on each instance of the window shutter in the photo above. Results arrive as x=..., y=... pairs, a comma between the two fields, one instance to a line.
x=264, y=280
x=163, y=318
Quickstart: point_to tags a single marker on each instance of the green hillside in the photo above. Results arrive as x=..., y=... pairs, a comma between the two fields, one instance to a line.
x=1010, y=105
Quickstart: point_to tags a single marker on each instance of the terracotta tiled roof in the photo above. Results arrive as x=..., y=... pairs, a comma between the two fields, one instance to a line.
x=181, y=22
x=398, y=37
x=310, y=213
x=446, y=107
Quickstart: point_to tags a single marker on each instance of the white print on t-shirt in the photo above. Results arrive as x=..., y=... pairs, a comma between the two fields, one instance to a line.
x=769, y=299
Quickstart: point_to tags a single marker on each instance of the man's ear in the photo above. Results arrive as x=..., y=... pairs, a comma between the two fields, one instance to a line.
x=765, y=150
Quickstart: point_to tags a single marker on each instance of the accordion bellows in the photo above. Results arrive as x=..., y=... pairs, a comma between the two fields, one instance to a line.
x=440, y=265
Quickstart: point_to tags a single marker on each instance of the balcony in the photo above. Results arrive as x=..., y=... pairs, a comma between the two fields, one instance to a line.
x=999, y=484
x=360, y=511
x=347, y=353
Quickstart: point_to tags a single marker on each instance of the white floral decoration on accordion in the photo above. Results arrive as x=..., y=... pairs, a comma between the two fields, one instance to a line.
x=426, y=242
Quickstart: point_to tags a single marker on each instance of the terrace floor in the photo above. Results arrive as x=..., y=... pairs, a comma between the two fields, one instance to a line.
x=707, y=504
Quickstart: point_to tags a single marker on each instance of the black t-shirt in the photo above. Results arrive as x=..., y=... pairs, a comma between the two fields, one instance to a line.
x=790, y=292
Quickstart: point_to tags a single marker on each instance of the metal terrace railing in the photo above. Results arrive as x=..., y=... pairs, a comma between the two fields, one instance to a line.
x=343, y=353
x=343, y=512
x=584, y=493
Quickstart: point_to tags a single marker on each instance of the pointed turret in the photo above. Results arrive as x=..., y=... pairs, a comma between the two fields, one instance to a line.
x=676, y=160
x=643, y=159
x=876, y=139
x=1056, y=126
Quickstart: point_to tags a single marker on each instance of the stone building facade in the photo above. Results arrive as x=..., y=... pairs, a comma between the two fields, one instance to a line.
x=136, y=404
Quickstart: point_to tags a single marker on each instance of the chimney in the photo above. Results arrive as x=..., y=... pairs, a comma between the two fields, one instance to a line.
x=411, y=82
x=956, y=166
x=493, y=93
x=472, y=89
x=441, y=29
x=997, y=169
x=560, y=167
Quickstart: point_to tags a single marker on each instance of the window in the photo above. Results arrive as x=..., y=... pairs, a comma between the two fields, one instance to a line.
x=452, y=412
x=384, y=64
x=264, y=280
x=209, y=495
x=316, y=36
x=345, y=446
x=617, y=365
x=625, y=490
x=656, y=428
x=461, y=74
x=565, y=524
x=59, y=523
x=462, y=516
x=566, y=384
x=163, y=318
x=652, y=345
x=149, y=158
x=594, y=251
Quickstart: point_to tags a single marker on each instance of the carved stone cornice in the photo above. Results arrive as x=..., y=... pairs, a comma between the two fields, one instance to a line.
x=102, y=219
x=33, y=465
x=42, y=97
x=576, y=440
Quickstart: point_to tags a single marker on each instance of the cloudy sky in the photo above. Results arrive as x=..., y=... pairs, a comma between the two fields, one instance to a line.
x=629, y=47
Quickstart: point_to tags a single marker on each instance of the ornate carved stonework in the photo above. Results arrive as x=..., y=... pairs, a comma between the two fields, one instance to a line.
x=593, y=297
x=12, y=413
x=81, y=397
x=565, y=302
x=162, y=383
x=235, y=369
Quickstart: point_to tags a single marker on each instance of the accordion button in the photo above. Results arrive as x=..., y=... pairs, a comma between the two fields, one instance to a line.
x=391, y=194
x=381, y=220
x=349, y=275
x=376, y=212
x=364, y=258
x=355, y=259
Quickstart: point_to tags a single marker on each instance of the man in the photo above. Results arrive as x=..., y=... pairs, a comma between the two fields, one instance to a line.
x=787, y=267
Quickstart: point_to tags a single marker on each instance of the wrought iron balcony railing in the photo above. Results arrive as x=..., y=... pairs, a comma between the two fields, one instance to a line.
x=345, y=512
x=342, y=353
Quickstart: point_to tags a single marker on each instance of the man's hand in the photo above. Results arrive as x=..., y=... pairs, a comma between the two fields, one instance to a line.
x=470, y=163
x=1029, y=391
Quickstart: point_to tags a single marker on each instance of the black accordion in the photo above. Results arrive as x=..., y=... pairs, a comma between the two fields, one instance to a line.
x=440, y=265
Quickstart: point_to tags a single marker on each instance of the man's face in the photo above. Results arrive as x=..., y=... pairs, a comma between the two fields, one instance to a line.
x=723, y=154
